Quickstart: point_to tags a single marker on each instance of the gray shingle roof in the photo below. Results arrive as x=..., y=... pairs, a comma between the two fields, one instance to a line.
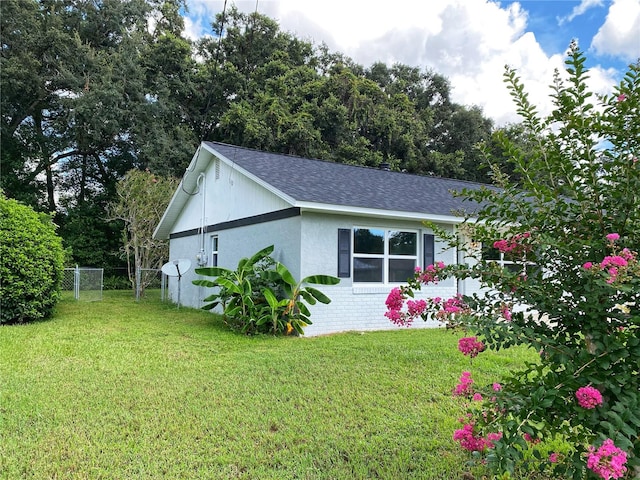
x=309, y=180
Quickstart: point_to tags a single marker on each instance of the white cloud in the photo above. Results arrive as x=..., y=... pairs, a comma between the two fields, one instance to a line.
x=193, y=29
x=620, y=34
x=468, y=41
x=580, y=10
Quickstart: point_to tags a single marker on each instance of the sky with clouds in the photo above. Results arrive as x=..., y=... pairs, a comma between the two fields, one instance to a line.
x=468, y=41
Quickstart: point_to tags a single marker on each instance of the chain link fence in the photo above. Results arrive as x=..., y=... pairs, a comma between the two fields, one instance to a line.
x=151, y=283
x=86, y=283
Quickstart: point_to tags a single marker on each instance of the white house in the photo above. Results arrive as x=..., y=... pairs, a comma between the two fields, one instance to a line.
x=364, y=225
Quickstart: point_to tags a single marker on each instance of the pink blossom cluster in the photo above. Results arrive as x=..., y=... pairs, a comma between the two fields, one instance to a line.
x=450, y=307
x=615, y=265
x=470, y=346
x=506, y=312
x=589, y=397
x=528, y=438
x=465, y=386
x=430, y=274
x=395, y=302
x=514, y=244
x=416, y=307
x=608, y=461
x=470, y=440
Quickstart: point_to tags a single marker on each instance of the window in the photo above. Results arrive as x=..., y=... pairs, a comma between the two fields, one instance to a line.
x=508, y=261
x=384, y=256
x=214, y=250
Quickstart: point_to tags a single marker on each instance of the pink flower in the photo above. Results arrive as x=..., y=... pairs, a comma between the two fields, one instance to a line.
x=506, y=313
x=616, y=260
x=622, y=97
x=553, y=458
x=612, y=237
x=450, y=307
x=416, y=307
x=477, y=397
x=587, y=265
x=465, y=386
x=430, y=274
x=608, y=461
x=497, y=387
x=472, y=441
x=514, y=244
x=530, y=439
x=395, y=299
x=470, y=346
x=589, y=397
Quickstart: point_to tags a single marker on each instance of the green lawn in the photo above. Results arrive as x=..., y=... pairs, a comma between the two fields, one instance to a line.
x=118, y=389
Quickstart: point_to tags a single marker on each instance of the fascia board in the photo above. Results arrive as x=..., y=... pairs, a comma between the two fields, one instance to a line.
x=377, y=213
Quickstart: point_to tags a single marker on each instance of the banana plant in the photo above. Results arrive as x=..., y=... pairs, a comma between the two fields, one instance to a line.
x=261, y=295
x=295, y=314
x=237, y=294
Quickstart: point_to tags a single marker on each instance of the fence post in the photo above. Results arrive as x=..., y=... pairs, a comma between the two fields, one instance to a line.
x=76, y=283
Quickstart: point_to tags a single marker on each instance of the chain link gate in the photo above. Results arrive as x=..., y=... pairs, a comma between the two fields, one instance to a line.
x=86, y=283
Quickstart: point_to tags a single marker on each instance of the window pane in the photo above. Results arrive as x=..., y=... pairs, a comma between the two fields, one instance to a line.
x=515, y=267
x=429, y=250
x=403, y=243
x=490, y=253
x=367, y=270
x=368, y=240
x=400, y=269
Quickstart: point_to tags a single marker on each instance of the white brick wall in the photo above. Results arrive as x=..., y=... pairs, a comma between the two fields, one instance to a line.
x=363, y=308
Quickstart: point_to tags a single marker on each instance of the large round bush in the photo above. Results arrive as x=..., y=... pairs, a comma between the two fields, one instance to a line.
x=31, y=263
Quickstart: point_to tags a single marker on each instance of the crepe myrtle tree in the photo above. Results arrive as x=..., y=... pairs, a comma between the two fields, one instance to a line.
x=568, y=232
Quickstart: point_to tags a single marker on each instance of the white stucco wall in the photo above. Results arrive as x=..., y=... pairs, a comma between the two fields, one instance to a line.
x=234, y=244
x=228, y=196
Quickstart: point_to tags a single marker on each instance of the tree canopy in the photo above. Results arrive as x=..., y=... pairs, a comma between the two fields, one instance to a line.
x=94, y=89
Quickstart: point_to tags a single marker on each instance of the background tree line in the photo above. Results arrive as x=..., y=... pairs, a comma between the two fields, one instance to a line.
x=94, y=88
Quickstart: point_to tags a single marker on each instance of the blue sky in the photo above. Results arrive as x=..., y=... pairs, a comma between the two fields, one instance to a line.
x=469, y=41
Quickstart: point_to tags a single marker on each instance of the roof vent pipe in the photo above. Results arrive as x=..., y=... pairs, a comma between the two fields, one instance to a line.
x=385, y=166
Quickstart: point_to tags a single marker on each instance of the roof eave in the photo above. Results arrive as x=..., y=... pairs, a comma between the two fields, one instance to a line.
x=377, y=213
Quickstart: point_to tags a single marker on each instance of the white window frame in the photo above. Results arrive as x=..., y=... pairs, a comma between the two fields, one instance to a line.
x=215, y=245
x=385, y=256
x=504, y=262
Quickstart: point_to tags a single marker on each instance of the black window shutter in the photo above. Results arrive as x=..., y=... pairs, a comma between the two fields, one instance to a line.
x=344, y=252
x=429, y=250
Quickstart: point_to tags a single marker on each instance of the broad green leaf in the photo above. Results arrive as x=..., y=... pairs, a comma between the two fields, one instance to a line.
x=321, y=280
x=318, y=295
x=285, y=274
x=213, y=271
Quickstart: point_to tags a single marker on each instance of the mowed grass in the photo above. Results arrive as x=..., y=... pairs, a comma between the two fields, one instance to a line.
x=118, y=389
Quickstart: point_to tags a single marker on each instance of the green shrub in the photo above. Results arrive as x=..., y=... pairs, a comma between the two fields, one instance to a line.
x=31, y=263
